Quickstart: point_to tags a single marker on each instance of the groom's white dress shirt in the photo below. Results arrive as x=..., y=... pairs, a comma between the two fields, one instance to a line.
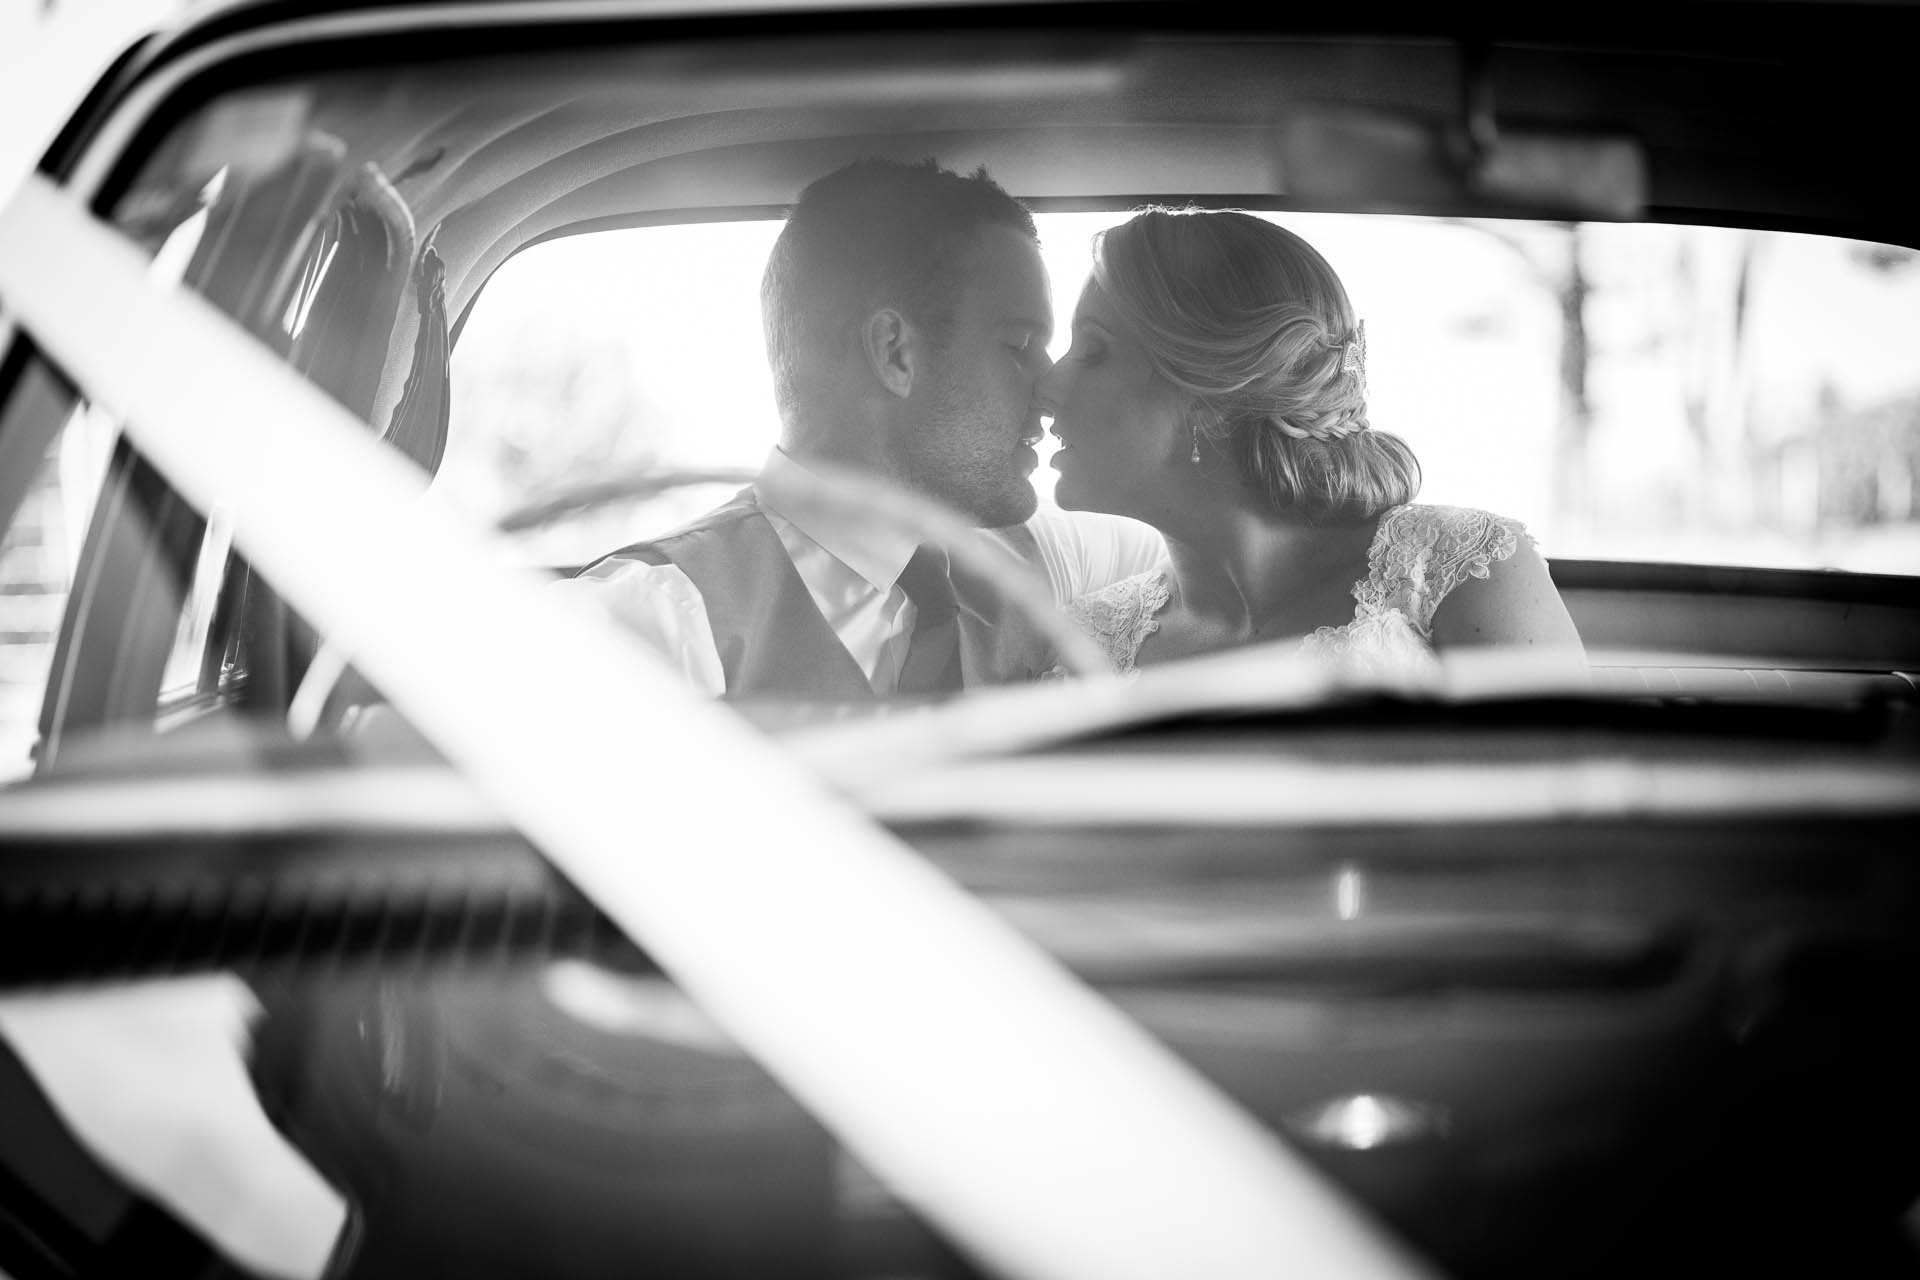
x=851, y=567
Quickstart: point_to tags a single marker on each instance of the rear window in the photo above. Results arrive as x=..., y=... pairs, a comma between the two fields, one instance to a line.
x=1664, y=393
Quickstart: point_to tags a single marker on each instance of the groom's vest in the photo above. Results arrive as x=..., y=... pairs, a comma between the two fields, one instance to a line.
x=771, y=636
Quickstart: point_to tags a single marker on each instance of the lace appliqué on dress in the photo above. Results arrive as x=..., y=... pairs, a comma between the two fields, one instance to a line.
x=1121, y=615
x=1419, y=554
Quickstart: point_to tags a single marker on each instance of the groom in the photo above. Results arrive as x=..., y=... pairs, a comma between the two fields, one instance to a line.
x=907, y=316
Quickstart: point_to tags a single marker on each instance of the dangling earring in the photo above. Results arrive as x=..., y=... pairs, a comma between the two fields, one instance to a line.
x=1196, y=444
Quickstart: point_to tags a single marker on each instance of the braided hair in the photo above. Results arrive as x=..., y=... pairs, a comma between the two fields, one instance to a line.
x=1249, y=322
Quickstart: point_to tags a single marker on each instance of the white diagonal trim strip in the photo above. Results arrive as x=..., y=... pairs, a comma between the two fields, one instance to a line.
x=983, y=1083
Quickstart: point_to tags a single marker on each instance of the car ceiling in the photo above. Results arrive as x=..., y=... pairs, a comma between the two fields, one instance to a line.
x=1762, y=114
x=1142, y=117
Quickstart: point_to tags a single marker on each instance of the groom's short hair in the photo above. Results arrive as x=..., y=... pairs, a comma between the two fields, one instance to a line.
x=876, y=233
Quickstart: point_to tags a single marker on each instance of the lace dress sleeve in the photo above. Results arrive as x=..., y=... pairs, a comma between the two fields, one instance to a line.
x=1425, y=552
x=1120, y=617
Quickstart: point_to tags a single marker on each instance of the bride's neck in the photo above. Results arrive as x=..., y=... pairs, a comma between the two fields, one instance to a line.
x=1237, y=567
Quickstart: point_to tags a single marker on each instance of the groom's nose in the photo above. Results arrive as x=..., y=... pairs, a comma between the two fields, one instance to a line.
x=1046, y=391
x=1042, y=368
x=1045, y=388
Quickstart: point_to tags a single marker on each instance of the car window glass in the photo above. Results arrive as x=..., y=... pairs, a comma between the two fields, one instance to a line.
x=1630, y=392
x=661, y=363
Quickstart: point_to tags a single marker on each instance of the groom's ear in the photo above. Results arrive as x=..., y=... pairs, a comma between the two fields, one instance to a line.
x=887, y=343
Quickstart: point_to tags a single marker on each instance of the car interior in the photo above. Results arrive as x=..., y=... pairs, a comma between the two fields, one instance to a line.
x=413, y=190
x=1622, y=990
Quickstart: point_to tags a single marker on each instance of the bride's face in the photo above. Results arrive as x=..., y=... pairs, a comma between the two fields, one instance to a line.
x=1118, y=422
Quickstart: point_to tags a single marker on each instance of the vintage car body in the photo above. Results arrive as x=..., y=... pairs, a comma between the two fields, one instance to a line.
x=1525, y=978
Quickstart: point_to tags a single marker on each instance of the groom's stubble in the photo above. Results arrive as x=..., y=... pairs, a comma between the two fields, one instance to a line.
x=965, y=447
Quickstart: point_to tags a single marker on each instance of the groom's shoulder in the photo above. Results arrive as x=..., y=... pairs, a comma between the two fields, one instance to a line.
x=737, y=513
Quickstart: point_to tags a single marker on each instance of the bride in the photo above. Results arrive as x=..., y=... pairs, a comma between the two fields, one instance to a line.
x=1216, y=389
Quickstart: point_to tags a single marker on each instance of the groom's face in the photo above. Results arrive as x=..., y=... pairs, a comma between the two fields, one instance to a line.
x=971, y=441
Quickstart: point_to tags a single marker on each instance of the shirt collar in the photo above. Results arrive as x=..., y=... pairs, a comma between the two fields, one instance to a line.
x=877, y=550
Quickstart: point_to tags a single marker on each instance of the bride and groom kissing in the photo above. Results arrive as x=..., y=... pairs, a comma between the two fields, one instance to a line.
x=1221, y=484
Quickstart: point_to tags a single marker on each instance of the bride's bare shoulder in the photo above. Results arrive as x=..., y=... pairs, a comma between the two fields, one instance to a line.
x=1514, y=603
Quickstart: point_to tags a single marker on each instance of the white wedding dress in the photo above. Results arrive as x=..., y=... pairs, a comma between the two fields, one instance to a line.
x=1418, y=555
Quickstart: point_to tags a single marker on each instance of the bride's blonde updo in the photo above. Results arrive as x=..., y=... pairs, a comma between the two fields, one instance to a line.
x=1249, y=321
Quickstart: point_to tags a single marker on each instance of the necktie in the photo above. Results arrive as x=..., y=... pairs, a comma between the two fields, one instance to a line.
x=932, y=665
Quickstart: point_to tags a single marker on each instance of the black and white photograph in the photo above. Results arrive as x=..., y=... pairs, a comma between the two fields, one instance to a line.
x=959, y=640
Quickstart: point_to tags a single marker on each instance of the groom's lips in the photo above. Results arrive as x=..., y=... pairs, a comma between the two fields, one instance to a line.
x=1024, y=451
